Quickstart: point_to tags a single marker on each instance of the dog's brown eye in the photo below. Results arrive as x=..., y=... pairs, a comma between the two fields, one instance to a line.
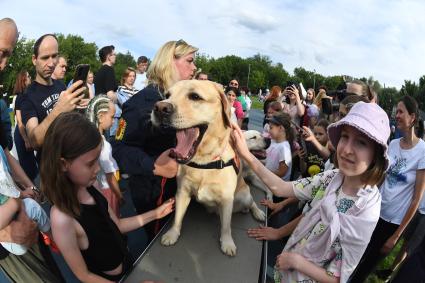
x=253, y=138
x=167, y=95
x=194, y=96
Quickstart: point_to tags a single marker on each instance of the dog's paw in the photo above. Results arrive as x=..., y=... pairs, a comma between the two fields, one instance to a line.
x=228, y=247
x=269, y=195
x=170, y=238
x=258, y=214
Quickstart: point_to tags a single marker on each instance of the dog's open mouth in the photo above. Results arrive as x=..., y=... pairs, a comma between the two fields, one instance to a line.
x=187, y=143
x=259, y=154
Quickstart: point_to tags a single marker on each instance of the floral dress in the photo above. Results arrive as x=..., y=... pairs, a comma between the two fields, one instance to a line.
x=313, y=189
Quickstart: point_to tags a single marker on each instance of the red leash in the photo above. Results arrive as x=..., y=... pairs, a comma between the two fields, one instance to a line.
x=160, y=201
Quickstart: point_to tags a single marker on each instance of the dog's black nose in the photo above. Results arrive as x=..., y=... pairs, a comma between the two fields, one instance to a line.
x=163, y=108
x=268, y=142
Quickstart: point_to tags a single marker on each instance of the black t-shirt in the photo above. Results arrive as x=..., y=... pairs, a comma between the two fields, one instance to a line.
x=18, y=101
x=104, y=80
x=315, y=163
x=39, y=100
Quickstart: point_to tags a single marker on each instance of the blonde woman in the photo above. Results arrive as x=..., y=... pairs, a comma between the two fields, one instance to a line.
x=140, y=149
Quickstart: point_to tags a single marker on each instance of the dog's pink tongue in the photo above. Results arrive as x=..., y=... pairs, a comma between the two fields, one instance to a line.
x=185, y=140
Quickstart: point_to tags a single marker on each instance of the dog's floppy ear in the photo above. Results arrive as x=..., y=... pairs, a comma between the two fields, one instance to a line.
x=225, y=105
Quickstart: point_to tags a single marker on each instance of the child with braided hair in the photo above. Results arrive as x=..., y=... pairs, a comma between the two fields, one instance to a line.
x=100, y=112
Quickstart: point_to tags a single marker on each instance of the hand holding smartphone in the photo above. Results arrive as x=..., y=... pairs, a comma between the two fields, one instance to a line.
x=80, y=74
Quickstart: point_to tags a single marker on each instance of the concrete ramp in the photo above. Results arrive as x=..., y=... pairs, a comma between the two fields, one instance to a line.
x=197, y=257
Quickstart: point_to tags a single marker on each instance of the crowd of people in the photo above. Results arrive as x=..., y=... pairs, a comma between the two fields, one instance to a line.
x=318, y=144
x=344, y=193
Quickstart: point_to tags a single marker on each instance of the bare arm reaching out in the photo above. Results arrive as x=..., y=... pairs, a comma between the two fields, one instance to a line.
x=275, y=184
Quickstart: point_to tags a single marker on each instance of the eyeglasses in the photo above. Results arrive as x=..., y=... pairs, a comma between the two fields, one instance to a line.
x=233, y=84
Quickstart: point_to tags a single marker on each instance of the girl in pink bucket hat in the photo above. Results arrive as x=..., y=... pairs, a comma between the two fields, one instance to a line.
x=344, y=203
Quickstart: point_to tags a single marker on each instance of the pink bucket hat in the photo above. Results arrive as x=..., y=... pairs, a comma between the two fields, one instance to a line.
x=369, y=119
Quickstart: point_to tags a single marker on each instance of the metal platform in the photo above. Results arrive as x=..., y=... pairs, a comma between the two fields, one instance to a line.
x=196, y=257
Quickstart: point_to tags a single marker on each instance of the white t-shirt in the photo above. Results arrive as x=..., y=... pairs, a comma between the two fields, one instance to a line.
x=233, y=118
x=399, y=185
x=8, y=187
x=276, y=153
x=107, y=164
x=141, y=81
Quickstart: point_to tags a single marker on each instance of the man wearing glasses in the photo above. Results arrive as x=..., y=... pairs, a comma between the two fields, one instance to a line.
x=104, y=79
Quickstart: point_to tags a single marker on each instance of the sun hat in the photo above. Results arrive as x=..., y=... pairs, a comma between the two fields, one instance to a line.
x=369, y=119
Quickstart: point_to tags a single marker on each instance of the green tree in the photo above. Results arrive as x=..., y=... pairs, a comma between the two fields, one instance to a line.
x=277, y=75
x=77, y=51
x=20, y=60
x=122, y=62
x=202, y=61
x=388, y=98
x=257, y=80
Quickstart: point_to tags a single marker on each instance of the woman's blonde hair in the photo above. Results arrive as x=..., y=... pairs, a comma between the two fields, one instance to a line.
x=318, y=99
x=162, y=71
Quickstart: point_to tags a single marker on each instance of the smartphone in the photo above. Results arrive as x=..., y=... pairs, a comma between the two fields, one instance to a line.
x=81, y=73
x=290, y=84
x=299, y=129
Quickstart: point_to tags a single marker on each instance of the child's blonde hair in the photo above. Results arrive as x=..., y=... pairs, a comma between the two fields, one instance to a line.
x=99, y=104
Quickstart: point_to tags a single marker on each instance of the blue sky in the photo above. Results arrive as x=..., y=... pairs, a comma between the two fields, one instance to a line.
x=383, y=39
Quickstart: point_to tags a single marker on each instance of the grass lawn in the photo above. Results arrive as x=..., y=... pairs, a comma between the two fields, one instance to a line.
x=256, y=103
x=12, y=118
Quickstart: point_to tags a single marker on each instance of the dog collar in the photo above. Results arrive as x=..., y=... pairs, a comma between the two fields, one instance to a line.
x=218, y=164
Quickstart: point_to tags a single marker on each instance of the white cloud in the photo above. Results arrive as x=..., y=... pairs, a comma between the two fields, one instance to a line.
x=383, y=39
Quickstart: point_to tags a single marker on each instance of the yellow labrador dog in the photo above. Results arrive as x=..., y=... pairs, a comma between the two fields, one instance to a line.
x=200, y=112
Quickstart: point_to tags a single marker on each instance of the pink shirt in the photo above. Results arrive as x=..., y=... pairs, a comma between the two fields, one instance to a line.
x=238, y=109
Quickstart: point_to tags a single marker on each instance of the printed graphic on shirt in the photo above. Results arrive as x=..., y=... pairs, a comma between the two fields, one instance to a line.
x=395, y=174
x=50, y=102
x=122, y=124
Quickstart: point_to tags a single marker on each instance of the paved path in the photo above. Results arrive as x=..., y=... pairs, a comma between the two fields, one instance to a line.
x=256, y=120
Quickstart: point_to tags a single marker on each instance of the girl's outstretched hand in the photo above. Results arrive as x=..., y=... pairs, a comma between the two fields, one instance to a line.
x=165, y=208
x=264, y=233
x=239, y=141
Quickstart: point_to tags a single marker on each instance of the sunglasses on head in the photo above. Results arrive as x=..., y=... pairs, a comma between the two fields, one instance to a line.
x=180, y=42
